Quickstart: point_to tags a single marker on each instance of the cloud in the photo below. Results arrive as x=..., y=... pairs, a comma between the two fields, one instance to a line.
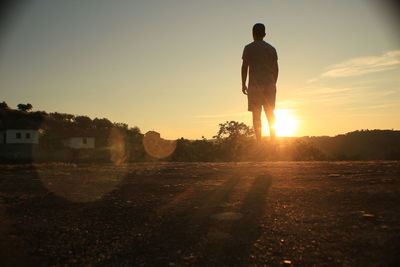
x=330, y=90
x=358, y=97
x=380, y=106
x=330, y=96
x=368, y=115
x=362, y=65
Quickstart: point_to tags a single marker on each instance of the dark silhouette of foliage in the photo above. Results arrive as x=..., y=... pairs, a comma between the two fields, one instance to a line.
x=4, y=106
x=121, y=125
x=24, y=107
x=305, y=151
x=361, y=145
x=234, y=141
x=233, y=130
x=83, y=122
x=196, y=150
x=101, y=124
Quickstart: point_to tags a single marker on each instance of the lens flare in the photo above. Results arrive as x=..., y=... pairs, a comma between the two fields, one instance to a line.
x=87, y=183
x=117, y=146
x=81, y=183
x=157, y=147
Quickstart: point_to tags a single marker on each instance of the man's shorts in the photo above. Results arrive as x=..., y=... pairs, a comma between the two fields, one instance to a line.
x=261, y=98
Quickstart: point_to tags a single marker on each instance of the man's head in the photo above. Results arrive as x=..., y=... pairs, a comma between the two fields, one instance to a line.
x=258, y=31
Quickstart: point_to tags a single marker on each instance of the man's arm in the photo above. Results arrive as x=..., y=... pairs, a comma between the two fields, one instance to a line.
x=275, y=67
x=245, y=67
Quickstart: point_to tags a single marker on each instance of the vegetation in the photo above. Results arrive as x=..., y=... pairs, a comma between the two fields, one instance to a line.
x=56, y=127
x=24, y=107
x=234, y=141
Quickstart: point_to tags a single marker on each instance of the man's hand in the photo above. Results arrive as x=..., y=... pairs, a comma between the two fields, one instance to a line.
x=245, y=67
x=244, y=89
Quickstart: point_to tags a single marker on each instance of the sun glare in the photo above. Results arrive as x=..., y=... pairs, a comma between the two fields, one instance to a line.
x=285, y=123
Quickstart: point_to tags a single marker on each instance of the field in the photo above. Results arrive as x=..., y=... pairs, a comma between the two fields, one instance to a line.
x=202, y=214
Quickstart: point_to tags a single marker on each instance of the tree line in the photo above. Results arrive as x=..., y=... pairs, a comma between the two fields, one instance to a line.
x=234, y=140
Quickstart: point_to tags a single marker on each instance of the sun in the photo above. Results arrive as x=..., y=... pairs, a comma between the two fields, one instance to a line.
x=285, y=123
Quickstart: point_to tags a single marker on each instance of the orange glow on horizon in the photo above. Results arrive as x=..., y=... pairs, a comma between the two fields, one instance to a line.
x=286, y=123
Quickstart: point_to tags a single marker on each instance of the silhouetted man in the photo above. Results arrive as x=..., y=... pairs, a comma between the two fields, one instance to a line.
x=261, y=59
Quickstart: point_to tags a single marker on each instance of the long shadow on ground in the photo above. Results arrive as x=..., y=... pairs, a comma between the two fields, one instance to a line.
x=243, y=232
x=141, y=222
x=186, y=235
x=174, y=234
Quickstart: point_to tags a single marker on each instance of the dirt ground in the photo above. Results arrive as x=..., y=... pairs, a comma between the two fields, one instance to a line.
x=201, y=214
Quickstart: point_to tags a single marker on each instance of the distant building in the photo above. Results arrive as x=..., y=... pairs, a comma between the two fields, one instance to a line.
x=19, y=136
x=153, y=134
x=19, y=144
x=80, y=142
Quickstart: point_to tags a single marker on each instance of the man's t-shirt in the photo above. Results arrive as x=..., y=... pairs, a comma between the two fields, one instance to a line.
x=263, y=65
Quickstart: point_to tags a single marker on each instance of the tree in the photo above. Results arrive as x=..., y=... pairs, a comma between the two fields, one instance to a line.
x=233, y=130
x=233, y=140
x=134, y=131
x=62, y=117
x=4, y=106
x=24, y=107
x=83, y=122
x=101, y=124
x=121, y=125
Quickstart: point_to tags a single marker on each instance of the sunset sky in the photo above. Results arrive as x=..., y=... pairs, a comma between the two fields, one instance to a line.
x=174, y=66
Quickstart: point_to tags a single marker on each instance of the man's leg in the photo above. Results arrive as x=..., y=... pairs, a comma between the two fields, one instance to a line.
x=257, y=122
x=269, y=112
x=269, y=108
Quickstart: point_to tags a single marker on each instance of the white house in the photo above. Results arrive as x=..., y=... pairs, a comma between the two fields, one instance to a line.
x=79, y=142
x=19, y=136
